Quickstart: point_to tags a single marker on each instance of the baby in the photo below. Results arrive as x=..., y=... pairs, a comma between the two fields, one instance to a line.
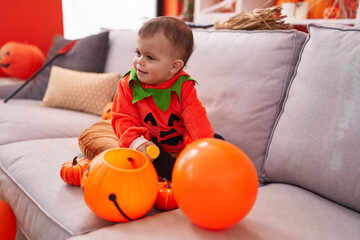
x=156, y=102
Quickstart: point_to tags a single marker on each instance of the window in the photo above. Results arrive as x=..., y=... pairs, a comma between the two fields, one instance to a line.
x=82, y=18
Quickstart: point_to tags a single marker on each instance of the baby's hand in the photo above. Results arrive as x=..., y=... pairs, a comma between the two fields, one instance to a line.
x=142, y=148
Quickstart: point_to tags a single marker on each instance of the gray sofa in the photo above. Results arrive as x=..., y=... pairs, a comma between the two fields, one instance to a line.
x=287, y=99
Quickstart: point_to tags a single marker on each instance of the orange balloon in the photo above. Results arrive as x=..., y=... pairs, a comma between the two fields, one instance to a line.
x=120, y=185
x=7, y=222
x=215, y=184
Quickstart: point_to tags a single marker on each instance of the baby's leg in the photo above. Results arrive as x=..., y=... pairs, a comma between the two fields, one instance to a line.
x=164, y=164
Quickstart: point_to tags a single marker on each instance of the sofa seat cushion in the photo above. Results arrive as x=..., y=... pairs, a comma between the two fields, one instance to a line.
x=315, y=144
x=45, y=206
x=25, y=119
x=280, y=212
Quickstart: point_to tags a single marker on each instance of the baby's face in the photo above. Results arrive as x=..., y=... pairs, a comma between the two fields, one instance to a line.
x=154, y=59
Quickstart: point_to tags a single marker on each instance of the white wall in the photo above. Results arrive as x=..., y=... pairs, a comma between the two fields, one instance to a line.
x=85, y=17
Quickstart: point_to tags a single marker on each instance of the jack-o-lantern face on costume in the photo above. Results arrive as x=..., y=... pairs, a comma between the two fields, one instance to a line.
x=171, y=137
x=20, y=60
x=160, y=113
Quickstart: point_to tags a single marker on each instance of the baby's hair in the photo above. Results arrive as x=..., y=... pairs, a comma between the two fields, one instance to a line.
x=176, y=31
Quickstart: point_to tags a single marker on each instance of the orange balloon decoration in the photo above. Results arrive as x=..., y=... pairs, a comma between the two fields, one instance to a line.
x=7, y=222
x=120, y=185
x=215, y=183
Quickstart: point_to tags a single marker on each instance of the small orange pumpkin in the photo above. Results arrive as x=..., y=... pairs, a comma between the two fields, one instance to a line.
x=106, y=113
x=20, y=60
x=165, y=200
x=72, y=171
x=120, y=185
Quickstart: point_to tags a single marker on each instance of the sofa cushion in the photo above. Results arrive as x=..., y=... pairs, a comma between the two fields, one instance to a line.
x=8, y=85
x=122, y=46
x=242, y=78
x=316, y=141
x=88, y=55
x=80, y=91
x=46, y=207
x=24, y=119
x=281, y=212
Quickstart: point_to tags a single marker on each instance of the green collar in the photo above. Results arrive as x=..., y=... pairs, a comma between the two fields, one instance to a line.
x=161, y=97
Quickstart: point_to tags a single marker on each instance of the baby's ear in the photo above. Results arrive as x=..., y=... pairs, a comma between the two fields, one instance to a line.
x=178, y=64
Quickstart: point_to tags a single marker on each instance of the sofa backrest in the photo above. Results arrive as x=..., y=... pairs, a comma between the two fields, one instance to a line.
x=315, y=144
x=242, y=78
x=122, y=46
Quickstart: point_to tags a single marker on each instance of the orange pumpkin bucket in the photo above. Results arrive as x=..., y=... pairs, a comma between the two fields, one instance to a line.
x=120, y=185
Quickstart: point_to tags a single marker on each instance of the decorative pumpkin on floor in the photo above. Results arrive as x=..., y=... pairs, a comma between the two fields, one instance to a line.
x=165, y=200
x=7, y=222
x=20, y=60
x=120, y=185
x=215, y=183
x=72, y=171
x=106, y=113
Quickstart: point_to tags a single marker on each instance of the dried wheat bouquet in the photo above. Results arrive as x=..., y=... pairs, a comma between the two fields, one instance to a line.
x=257, y=19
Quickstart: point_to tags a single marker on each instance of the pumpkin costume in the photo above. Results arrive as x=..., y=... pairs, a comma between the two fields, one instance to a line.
x=169, y=114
